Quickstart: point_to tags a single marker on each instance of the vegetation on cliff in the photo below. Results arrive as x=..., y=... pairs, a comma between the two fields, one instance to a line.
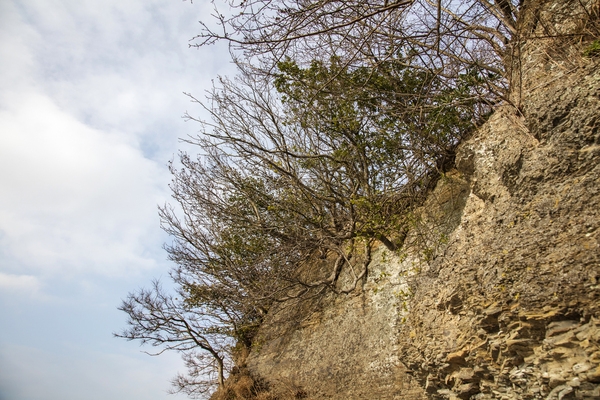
x=340, y=120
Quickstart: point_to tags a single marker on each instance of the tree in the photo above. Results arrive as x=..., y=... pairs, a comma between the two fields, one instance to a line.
x=446, y=37
x=200, y=334
x=289, y=177
x=340, y=120
x=317, y=172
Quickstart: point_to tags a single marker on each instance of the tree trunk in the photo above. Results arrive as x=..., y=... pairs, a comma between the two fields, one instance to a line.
x=221, y=373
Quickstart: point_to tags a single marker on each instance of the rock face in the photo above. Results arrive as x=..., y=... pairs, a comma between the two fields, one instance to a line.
x=496, y=294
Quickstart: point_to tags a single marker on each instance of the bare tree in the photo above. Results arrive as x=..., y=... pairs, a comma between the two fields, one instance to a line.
x=446, y=37
x=201, y=335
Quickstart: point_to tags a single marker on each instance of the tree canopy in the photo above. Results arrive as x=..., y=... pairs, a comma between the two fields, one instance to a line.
x=444, y=37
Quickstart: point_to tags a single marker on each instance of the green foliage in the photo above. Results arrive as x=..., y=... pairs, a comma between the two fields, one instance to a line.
x=389, y=110
x=388, y=127
x=593, y=49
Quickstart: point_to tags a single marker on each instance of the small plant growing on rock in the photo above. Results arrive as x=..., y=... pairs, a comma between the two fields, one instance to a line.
x=593, y=50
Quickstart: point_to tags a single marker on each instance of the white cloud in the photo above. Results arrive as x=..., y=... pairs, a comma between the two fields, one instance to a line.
x=90, y=99
x=19, y=283
x=116, y=63
x=78, y=196
x=73, y=196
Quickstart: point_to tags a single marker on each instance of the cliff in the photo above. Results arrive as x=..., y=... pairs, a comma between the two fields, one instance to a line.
x=496, y=293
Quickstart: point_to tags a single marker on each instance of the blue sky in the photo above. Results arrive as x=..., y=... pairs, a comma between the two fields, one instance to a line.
x=90, y=106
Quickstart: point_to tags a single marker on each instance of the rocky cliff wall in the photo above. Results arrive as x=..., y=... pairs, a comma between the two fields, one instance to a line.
x=496, y=294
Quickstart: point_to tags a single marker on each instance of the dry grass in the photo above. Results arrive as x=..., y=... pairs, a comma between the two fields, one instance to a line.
x=242, y=386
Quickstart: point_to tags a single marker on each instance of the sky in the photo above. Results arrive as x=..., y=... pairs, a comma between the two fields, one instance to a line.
x=91, y=99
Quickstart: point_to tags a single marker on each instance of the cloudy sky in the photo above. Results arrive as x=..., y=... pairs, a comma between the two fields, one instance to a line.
x=90, y=112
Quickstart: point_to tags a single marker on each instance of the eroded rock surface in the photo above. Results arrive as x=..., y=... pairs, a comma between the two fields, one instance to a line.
x=497, y=292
